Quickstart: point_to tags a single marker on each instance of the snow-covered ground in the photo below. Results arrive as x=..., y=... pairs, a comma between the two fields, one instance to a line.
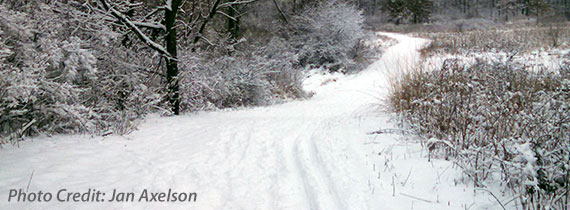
x=311, y=154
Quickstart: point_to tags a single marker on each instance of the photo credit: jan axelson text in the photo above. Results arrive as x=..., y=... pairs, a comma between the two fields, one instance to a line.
x=94, y=195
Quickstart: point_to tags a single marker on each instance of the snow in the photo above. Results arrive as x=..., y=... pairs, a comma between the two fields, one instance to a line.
x=168, y=5
x=311, y=154
x=154, y=25
x=315, y=79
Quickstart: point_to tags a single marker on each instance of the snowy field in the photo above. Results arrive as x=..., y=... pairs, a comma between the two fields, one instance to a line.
x=313, y=154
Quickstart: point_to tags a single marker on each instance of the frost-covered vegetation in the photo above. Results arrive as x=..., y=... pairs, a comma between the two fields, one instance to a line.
x=492, y=94
x=515, y=38
x=499, y=122
x=98, y=66
x=57, y=77
x=497, y=103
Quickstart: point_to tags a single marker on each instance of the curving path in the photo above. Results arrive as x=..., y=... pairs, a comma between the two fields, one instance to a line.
x=312, y=154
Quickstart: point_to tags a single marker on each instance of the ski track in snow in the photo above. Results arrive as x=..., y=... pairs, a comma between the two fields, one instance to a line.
x=311, y=154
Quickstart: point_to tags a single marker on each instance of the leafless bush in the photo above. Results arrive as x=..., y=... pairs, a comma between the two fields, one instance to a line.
x=495, y=120
x=261, y=77
x=326, y=34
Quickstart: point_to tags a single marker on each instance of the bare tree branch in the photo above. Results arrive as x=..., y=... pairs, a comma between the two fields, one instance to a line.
x=226, y=15
x=143, y=37
x=210, y=16
x=231, y=3
x=281, y=12
x=150, y=25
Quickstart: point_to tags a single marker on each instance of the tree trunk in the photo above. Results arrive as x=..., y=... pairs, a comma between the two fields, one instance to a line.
x=172, y=80
x=233, y=22
x=213, y=11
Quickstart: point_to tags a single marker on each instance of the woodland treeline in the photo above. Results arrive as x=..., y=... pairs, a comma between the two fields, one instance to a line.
x=98, y=66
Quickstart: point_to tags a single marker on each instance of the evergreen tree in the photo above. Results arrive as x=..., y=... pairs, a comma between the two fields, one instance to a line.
x=420, y=10
x=396, y=9
x=536, y=8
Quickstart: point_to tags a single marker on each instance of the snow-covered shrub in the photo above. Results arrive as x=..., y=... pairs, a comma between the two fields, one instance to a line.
x=325, y=35
x=259, y=78
x=60, y=72
x=234, y=82
x=499, y=121
x=283, y=74
x=128, y=87
x=42, y=80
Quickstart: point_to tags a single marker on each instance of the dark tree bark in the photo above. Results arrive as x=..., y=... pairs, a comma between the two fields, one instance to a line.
x=173, y=96
x=213, y=11
x=170, y=53
x=233, y=21
x=167, y=25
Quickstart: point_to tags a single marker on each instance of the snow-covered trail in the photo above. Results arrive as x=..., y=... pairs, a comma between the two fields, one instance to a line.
x=312, y=154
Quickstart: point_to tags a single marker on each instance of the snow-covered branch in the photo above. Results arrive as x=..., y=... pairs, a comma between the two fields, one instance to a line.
x=226, y=15
x=126, y=21
x=237, y=2
x=168, y=5
x=150, y=25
